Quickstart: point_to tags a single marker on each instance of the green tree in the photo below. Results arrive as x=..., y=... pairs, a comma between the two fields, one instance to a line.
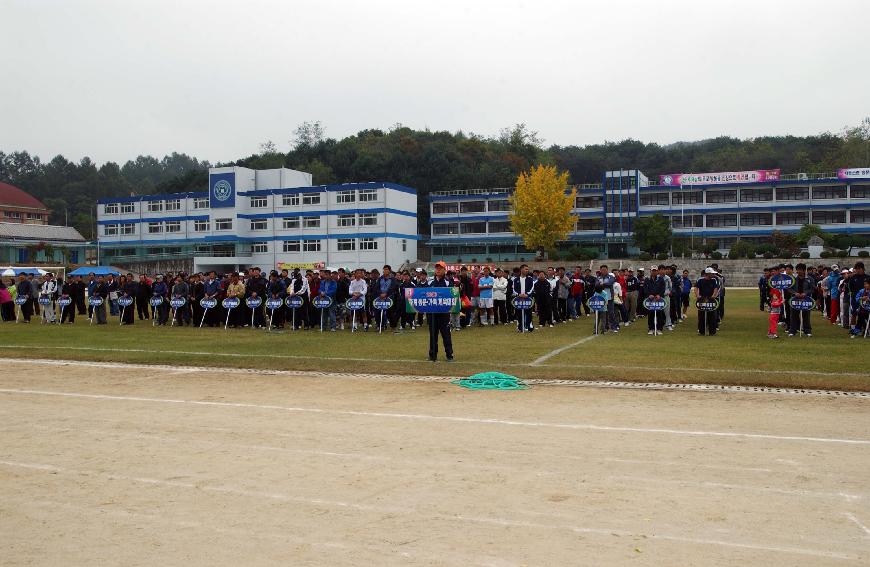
x=541, y=207
x=807, y=231
x=653, y=234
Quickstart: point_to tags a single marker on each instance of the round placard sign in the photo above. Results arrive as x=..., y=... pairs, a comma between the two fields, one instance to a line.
x=802, y=303
x=522, y=302
x=177, y=302
x=597, y=303
x=95, y=301
x=44, y=300
x=231, y=302
x=64, y=300
x=293, y=301
x=654, y=304
x=254, y=302
x=321, y=302
x=125, y=301
x=21, y=299
x=707, y=304
x=156, y=301
x=208, y=302
x=781, y=281
x=382, y=304
x=274, y=303
x=355, y=303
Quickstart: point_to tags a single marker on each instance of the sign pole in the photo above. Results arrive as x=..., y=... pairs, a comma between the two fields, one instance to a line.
x=18, y=312
x=655, y=323
x=252, y=317
x=353, y=322
x=801, y=323
x=523, y=319
x=381, y=325
x=321, y=319
x=93, y=315
x=227, y=324
x=121, y=318
x=201, y=321
x=866, y=326
x=294, y=318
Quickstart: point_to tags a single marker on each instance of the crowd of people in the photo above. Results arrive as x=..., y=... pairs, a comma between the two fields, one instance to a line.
x=842, y=295
x=487, y=295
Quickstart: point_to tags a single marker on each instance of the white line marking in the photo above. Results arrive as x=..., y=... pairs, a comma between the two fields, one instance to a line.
x=538, y=361
x=858, y=523
x=743, y=487
x=435, y=515
x=452, y=419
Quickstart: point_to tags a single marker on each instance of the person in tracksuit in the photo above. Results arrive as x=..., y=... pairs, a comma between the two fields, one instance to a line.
x=763, y=289
x=439, y=323
x=803, y=288
x=524, y=288
x=708, y=288
x=655, y=289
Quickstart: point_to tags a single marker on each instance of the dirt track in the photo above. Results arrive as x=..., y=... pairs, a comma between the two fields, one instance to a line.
x=128, y=466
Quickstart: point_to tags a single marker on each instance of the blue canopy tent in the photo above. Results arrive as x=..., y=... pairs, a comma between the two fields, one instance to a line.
x=96, y=270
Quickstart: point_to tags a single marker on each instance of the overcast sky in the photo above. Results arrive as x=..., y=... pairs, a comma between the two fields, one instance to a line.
x=115, y=79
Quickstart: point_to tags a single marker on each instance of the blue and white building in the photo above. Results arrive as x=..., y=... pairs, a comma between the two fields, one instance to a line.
x=268, y=218
x=717, y=207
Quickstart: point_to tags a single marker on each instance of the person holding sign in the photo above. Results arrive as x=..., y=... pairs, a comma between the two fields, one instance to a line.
x=358, y=289
x=386, y=287
x=654, y=290
x=236, y=290
x=181, y=290
x=439, y=323
x=160, y=290
x=799, y=320
x=707, y=288
x=101, y=291
x=328, y=288
x=523, y=288
x=48, y=291
x=127, y=291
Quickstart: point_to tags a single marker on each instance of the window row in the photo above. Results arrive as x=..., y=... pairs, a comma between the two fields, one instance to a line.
x=158, y=206
x=316, y=198
x=341, y=221
x=445, y=229
x=482, y=206
x=316, y=245
x=750, y=195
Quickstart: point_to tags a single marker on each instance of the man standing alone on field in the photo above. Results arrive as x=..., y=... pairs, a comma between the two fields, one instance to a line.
x=439, y=323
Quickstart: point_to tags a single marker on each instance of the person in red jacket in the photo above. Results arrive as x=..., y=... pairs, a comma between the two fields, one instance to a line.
x=775, y=309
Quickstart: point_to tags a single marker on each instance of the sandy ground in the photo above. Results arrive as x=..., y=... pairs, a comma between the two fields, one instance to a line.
x=144, y=466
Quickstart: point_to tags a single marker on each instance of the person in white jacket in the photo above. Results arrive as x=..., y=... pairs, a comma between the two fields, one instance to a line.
x=49, y=290
x=499, y=297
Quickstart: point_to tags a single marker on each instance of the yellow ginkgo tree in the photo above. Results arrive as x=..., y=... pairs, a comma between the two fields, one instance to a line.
x=541, y=207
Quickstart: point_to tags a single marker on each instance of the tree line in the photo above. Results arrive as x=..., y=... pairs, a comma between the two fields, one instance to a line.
x=426, y=160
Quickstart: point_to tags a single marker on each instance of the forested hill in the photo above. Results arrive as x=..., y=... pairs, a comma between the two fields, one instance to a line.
x=429, y=161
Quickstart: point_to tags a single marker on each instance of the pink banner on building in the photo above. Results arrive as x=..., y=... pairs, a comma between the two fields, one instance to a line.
x=722, y=177
x=854, y=173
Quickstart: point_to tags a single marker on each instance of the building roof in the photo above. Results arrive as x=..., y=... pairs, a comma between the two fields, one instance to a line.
x=39, y=232
x=15, y=197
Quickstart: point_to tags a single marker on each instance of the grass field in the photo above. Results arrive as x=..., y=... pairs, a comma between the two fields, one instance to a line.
x=740, y=354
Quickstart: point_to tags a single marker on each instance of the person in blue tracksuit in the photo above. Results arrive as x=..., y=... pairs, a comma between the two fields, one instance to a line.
x=328, y=287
